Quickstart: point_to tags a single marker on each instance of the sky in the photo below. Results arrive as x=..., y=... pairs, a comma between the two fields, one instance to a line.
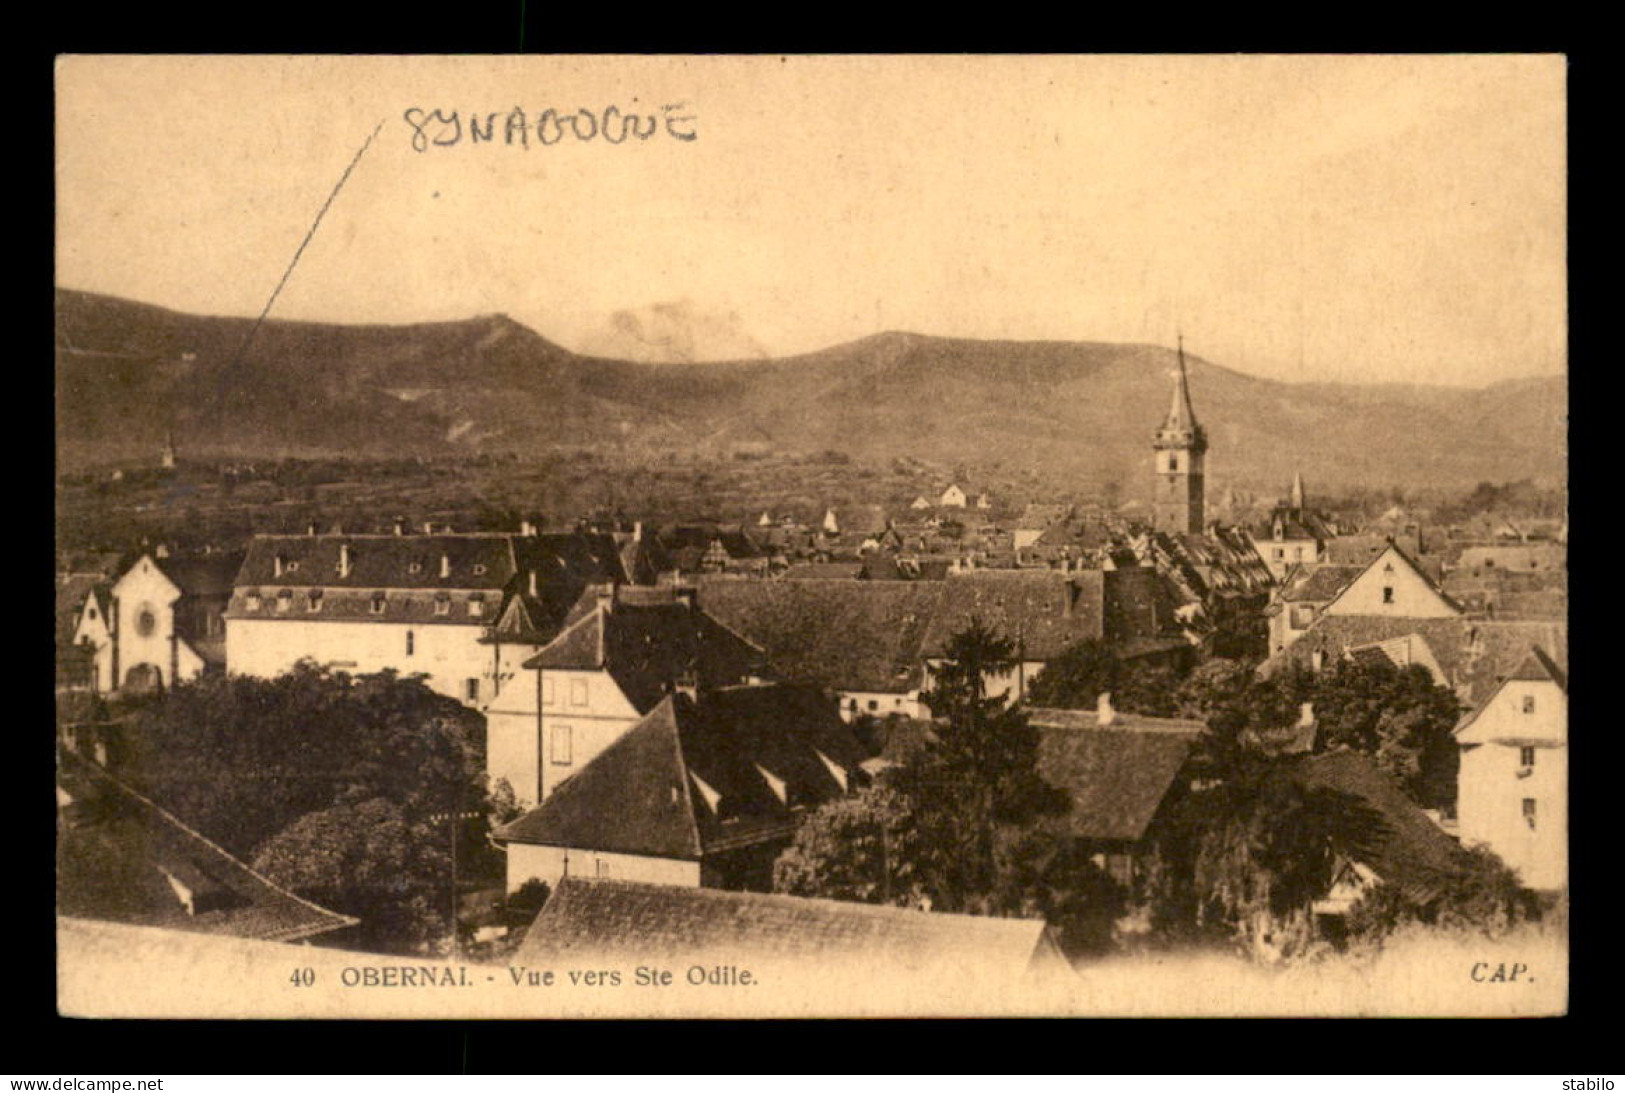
x=1367, y=219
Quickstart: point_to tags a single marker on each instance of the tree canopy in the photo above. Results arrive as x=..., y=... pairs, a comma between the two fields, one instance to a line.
x=338, y=787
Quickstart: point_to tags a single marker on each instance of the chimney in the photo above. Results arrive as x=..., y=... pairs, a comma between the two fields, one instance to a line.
x=688, y=596
x=310, y=528
x=428, y=527
x=1104, y=714
x=1068, y=595
x=1306, y=715
x=637, y=531
x=533, y=593
x=445, y=565
x=344, y=559
x=161, y=551
x=606, y=596
x=277, y=564
x=400, y=526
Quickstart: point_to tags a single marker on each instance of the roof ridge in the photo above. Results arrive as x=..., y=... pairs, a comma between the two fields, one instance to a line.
x=871, y=910
x=683, y=774
x=102, y=772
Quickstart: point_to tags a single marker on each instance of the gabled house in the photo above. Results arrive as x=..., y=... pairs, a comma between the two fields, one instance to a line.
x=619, y=651
x=706, y=789
x=459, y=610
x=1292, y=534
x=1512, y=788
x=1120, y=770
x=1393, y=586
x=1304, y=593
x=168, y=620
x=122, y=858
x=953, y=497
x=84, y=616
x=1403, y=847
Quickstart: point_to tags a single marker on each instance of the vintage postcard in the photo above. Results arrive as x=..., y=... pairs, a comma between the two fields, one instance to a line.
x=811, y=536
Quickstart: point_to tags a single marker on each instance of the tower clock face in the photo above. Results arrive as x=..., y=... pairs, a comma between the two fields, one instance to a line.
x=146, y=621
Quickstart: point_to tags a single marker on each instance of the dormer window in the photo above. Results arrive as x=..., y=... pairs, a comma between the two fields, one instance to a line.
x=293, y=567
x=780, y=788
x=476, y=608
x=252, y=601
x=284, y=600
x=415, y=567
x=442, y=605
x=313, y=602
x=479, y=571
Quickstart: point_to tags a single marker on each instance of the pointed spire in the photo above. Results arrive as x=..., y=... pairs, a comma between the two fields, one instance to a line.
x=1180, y=414
x=1297, y=490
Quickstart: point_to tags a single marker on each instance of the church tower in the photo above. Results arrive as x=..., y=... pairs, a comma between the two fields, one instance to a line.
x=1177, y=504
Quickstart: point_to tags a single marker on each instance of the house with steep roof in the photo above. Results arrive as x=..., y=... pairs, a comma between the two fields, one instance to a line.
x=1512, y=787
x=1403, y=847
x=458, y=610
x=954, y=497
x=122, y=858
x=168, y=620
x=1120, y=770
x=858, y=640
x=1393, y=586
x=706, y=789
x=631, y=923
x=1292, y=533
x=618, y=652
x=84, y=614
x=1303, y=595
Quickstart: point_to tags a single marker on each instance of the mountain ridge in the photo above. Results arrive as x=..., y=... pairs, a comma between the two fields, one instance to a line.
x=130, y=372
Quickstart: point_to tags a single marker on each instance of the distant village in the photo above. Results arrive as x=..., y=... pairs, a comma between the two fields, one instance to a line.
x=663, y=708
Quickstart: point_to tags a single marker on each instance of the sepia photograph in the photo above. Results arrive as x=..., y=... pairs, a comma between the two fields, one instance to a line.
x=811, y=536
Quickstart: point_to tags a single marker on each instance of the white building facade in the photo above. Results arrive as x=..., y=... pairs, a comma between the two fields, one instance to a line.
x=1512, y=789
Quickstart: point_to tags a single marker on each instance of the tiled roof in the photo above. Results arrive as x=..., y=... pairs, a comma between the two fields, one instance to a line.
x=1117, y=778
x=840, y=634
x=1045, y=610
x=71, y=593
x=112, y=867
x=1294, y=523
x=1409, y=850
x=648, y=641
x=381, y=561
x=1475, y=654
x=1539, y=666
x=1318, y=583
x=618, y=918
x=641, y=795
x=418, y=607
